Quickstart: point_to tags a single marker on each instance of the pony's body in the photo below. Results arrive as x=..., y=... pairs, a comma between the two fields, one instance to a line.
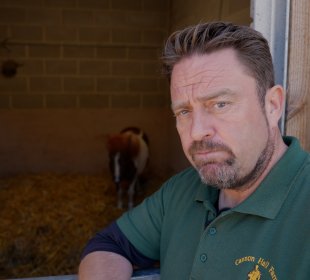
x=128, y=156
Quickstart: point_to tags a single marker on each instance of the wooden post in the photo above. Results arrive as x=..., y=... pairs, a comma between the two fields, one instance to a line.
x=298, y=91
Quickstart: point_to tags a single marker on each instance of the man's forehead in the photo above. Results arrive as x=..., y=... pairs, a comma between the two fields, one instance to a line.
x=196, y=79
x=203, y=68
x=207, y=70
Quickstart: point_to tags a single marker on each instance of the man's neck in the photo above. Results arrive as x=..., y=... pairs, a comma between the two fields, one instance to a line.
x=230, y=198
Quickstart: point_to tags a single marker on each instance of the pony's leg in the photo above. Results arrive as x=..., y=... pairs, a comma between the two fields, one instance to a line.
x=120, y=197
x=131, y=193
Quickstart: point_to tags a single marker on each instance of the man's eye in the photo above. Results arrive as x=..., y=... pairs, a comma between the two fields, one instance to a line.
x=184, y=112
x=220, y=105
x=181, y=113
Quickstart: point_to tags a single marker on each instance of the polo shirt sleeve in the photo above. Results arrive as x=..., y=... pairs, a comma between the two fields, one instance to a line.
x=111, y=239
x=142, y=225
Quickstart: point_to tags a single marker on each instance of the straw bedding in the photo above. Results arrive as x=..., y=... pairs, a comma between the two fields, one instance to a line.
x=47, y=219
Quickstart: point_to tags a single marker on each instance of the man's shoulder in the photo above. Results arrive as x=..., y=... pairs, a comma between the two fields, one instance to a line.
x=304, y=172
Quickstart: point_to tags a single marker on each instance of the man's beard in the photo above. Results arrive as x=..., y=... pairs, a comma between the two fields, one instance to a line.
x=225, y=174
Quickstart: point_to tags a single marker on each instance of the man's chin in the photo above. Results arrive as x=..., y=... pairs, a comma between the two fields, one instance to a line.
x=216, y=174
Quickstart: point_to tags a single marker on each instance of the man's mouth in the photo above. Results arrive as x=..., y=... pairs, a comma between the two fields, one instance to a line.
x=209, y=154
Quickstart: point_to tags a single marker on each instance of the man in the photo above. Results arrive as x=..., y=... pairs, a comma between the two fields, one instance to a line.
x=243, y=207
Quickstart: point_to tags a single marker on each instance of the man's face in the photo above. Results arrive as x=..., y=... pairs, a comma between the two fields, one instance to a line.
x=223, y=129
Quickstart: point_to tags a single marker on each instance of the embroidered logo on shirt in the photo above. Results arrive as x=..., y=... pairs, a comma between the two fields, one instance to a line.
x=255, y=274
x=261, y=268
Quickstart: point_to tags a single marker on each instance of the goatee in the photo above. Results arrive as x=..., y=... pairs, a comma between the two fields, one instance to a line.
x=226, y=173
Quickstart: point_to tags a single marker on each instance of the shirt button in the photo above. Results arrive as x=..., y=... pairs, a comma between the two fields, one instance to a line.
x=212, y=230
x=203, y=257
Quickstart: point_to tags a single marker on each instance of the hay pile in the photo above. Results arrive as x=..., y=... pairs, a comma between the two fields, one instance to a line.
x=46, y=221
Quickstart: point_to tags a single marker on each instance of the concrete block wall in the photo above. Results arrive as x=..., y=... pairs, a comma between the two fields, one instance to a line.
x=189, y=12
x=83, y=54
x=90, y=68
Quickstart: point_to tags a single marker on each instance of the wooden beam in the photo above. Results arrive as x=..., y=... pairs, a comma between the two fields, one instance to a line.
x=298, y=91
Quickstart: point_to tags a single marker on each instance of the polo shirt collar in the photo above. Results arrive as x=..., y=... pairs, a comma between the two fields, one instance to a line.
x=207, y=194
x=276, y=184
x=269, y=197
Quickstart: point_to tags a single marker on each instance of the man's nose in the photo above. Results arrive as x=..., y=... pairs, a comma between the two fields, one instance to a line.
x=202, y=126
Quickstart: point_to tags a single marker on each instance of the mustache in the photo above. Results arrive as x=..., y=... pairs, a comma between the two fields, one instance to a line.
x=208, y=146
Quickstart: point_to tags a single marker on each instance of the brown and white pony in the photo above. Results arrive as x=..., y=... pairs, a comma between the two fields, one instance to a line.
x=128, y=156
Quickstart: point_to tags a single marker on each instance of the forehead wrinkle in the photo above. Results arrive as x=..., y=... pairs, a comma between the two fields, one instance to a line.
x=217, y=93
x=185, y=85
x=191, y=88
x=190, y=81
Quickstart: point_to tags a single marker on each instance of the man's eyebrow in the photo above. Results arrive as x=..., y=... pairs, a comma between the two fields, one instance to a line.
x=220, y=93
x=213, y=95
x=179, y=105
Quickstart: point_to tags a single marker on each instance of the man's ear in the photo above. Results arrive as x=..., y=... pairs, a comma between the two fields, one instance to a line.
x=274, y=104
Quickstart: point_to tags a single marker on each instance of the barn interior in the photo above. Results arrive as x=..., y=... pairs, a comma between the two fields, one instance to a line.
x=72, y=73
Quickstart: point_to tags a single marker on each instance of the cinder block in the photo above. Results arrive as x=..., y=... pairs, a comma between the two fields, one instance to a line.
x=60, y=3
x=24, y=3
x=134, y=5
x=27, y=101
x=61, y=67
x=44, y=51
x=94, y=67
x=78, y=51
x=230, y=7
x=61, y=33
x=126, y=36
x=31, y=67
x=147, y=20
x=184, y=12
x=61, y=101
x=43, y=16
x=111, y=18
x=158, y=5
x=78, y=17
x=4, y=31
x=163, y=84
x=152, y=69
x=143, y=84
x=26, y=33
x=4, y=101
x=93, y=4
x=79, y=84
x=92, y=34
x=127, y=68
x=125, y=100
x=240, y=17
x=16, y=84
x=154, y=37
x=45, y=84
x=151, y=53
x=13, y=51
x=213, y=9
x=112, y=84
x=112, y=52
x=94, y=101
x=12, y=15
x=155, y=100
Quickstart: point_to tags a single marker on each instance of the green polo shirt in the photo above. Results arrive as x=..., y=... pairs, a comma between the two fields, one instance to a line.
x=266, y=236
